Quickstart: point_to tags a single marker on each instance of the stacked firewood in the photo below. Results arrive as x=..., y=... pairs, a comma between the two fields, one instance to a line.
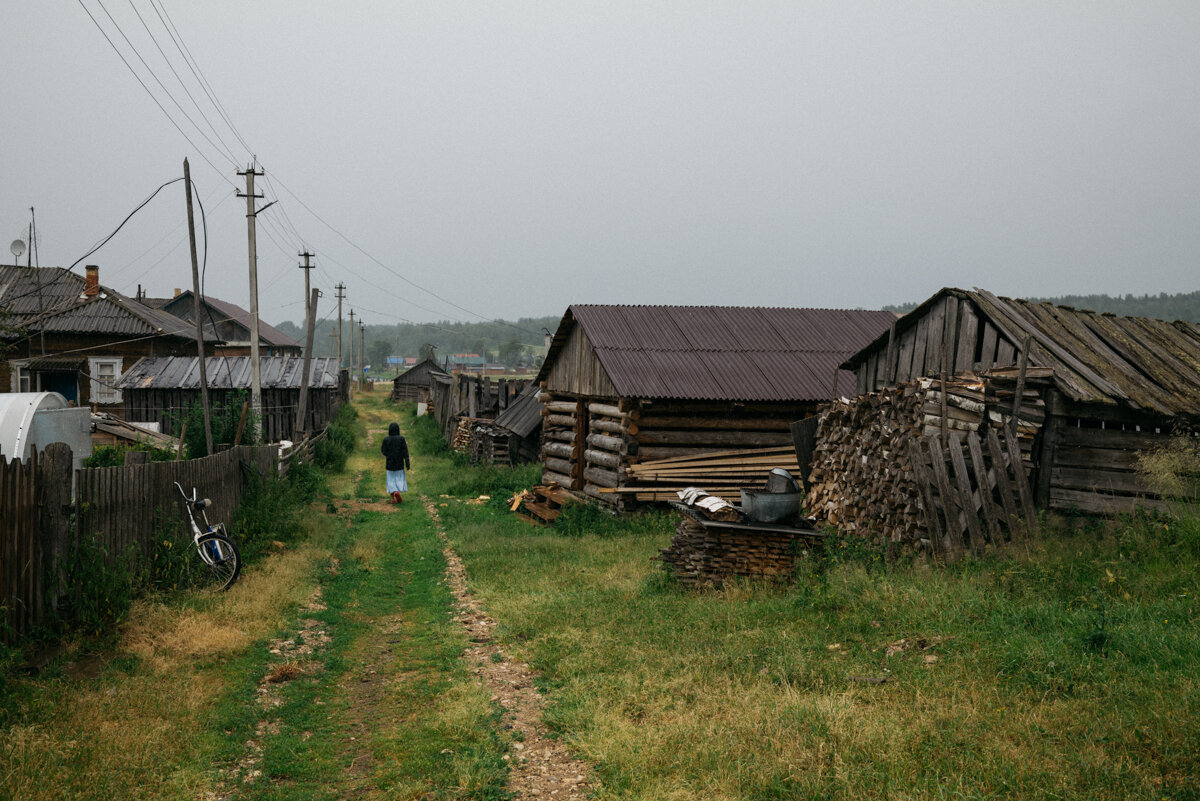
x=462, y=435
x=861, y=479
x=702, y=556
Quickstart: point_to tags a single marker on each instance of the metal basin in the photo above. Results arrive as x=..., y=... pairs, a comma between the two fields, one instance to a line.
x=771, y=507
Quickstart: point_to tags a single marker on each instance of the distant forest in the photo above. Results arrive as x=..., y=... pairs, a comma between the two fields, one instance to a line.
x=511, y=343
x=1184, y=306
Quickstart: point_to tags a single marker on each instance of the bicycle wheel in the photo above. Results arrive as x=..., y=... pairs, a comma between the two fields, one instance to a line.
x=222, y=558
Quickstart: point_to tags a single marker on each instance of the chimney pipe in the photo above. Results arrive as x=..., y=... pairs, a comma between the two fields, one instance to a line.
x=91, y=281
x=178, y=291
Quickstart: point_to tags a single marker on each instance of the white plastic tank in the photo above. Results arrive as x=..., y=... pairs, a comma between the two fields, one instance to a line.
x=36, y=419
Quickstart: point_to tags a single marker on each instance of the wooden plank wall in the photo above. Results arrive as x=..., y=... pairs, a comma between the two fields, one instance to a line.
x=951, y=333
x=577, y=370
x=162, y=406
x=127, y=509
x=1095, y=469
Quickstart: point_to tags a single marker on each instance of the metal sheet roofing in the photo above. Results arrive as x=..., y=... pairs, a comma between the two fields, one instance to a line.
x=524, y=413
x=231, y=311
x=721, y=352
x=227, y=372
x=51, y=299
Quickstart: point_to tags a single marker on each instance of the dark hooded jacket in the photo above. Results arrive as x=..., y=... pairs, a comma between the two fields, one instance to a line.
x=395, y=449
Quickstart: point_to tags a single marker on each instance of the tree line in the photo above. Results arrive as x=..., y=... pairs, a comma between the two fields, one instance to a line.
x=514, y=344
x=1163, y=306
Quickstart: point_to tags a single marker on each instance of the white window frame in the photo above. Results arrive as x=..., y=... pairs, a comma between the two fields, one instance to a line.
x=20, y=378
x=101, y=392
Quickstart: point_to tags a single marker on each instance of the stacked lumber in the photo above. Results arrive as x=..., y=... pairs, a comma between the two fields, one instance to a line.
x=721, y=473
x=703, y=556
x=488, y=443
x=862, y=480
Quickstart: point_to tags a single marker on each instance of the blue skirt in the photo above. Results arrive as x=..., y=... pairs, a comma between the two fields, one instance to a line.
x=396, y=481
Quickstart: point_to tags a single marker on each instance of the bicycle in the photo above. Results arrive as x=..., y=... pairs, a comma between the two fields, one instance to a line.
x=212, y=542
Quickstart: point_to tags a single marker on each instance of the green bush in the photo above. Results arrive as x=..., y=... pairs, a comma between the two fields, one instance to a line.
x=101, y=588
x=114, y=455
x=225, y=418
x=332, y=450
x=272, y=508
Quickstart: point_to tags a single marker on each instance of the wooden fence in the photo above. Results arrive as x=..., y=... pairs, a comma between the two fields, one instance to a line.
x=35, y=497
x=124, y=510
x=128, y=507
x=974, y=491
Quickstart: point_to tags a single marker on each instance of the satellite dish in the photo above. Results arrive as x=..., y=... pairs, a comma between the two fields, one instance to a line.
x=17, y=247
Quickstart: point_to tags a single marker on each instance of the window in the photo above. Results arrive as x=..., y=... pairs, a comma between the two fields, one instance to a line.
x=105, y=373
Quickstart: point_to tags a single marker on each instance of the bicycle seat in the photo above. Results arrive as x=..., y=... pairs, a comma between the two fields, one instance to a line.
x=200, y=504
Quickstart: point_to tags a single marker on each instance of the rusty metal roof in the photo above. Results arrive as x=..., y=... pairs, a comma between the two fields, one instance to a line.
x=722, y=352
x=1140, y=363
x=227, y=372
x=231, y=311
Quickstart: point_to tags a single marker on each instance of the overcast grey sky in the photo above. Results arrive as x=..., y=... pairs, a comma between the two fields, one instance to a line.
x=515, y=157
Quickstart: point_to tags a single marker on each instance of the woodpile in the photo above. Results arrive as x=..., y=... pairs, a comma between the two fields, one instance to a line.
x=461, y=443
x=721, y=473
x=862, y=478
x=488, y=443
x=702, y=556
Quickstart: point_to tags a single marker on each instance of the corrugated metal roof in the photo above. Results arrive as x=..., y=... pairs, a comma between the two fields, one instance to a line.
x=524, y=413
x=231, y=311
x=227, y=372
x=1143, y=364
x=721, y=352
x=51, y=299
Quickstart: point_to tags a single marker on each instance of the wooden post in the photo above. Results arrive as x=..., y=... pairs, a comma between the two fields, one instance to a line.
x=54, y=513
x=237, y=440
x=1019, y=396
x=302, y=410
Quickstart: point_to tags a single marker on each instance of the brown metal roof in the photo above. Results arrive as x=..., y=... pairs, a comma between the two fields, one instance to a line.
x=722, y=352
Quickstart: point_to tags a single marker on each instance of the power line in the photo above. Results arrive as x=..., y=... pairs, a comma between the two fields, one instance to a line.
x=138, y=78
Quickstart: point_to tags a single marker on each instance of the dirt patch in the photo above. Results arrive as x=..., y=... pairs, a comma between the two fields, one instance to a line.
x=542, y=767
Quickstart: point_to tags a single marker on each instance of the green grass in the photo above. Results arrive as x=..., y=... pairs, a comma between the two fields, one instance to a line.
x=1063, y=670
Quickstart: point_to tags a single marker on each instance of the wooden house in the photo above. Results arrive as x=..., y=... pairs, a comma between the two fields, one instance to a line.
x=627, y=384
x=157, y=389
x=229, y=323
x=69, y=334
x=1116, y=386
x=414, y=385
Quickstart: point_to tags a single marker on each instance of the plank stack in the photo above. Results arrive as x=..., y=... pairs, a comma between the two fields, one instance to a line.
x=702, y=556
x=862, y=480
x=721, y=473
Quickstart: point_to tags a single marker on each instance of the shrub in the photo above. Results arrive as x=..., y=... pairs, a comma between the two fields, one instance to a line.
x=114, y=455
x=101, y=588
x=272, y=508
x=332, y=450
x=225, y=419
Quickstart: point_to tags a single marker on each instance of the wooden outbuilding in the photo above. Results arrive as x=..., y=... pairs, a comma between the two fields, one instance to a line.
x=622, y=385
x=514, y=437
x=414, y=385
x=158, y=390
x=1112, y=388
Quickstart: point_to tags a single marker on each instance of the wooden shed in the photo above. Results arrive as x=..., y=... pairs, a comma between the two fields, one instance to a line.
x=154, y=389
x=1118, y=386
x=414, y=384
x=623, y=385
x=514, y=437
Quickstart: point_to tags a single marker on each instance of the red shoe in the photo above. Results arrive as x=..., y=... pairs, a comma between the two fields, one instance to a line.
x=396, y=498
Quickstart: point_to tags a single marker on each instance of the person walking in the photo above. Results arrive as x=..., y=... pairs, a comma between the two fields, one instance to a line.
x=395, y=451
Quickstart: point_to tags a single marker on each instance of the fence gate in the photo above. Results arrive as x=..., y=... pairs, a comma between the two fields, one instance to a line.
x=974, y=491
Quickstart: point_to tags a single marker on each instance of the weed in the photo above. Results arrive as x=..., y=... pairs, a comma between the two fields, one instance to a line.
x=114, y=455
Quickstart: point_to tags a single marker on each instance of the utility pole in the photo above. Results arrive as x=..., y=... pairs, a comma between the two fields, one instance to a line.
x=187, y=184
x=301, y=427
x=353, y=375
x=362, y=350
x=341, y=293
x=302, y=411
x=255, y=364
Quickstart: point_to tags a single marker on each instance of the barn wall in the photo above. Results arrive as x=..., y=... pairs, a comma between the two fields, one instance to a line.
x=577, y=370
